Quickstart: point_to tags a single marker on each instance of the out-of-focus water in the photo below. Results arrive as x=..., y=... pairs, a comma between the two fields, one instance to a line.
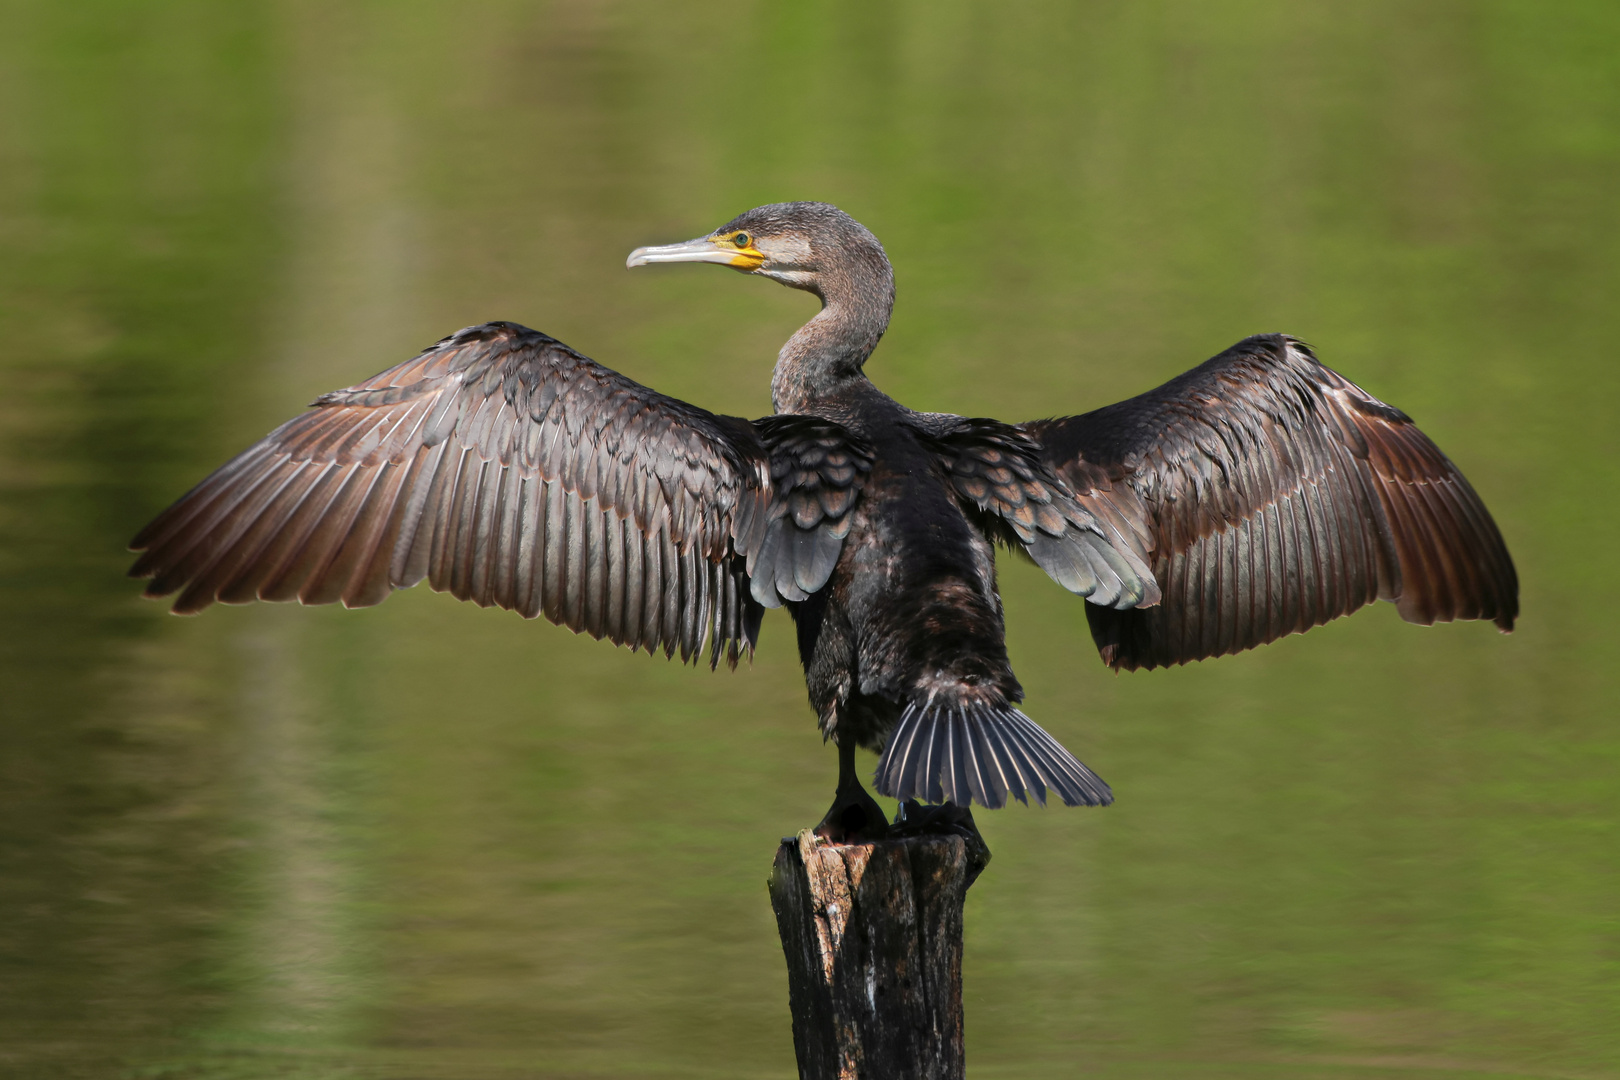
x=425, y=840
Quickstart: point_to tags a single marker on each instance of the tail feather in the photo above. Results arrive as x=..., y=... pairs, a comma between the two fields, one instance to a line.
x=981, y=752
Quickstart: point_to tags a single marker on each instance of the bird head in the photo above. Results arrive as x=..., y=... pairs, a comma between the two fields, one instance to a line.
x=800, y=244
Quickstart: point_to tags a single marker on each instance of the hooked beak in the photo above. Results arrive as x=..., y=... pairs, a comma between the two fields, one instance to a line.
x=703, y=249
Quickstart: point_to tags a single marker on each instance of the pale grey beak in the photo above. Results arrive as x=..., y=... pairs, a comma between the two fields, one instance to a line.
x=700, y=250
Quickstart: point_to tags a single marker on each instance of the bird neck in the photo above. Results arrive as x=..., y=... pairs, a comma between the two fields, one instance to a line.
x=828, y=352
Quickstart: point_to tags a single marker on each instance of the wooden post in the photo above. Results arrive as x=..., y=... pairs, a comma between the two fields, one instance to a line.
x=873, y=938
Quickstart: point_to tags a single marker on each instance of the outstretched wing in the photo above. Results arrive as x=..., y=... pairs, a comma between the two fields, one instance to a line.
x=997, y=470
x=1270, y=494
x=506, y=469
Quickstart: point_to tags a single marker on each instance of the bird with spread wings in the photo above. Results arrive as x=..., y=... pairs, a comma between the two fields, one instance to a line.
x=1258, y=495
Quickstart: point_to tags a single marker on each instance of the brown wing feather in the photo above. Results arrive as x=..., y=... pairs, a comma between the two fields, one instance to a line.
x=1437, y=523
x=505, y=468
x=1270, y=495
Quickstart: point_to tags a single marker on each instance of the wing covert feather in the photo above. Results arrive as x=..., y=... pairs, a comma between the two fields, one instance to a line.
x=817, y=472
x=1001, y=480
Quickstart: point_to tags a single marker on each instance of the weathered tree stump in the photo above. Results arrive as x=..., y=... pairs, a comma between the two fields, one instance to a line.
x=872, y=933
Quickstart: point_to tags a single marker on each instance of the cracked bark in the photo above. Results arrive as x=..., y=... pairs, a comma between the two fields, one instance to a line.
x=872, y=933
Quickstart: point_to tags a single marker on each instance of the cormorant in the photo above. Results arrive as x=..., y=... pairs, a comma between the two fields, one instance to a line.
x=1258, y=495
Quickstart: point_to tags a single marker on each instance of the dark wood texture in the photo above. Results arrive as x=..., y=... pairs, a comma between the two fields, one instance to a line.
x=873, y=939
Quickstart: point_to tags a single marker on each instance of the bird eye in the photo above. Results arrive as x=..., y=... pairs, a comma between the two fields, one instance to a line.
x=741, y=239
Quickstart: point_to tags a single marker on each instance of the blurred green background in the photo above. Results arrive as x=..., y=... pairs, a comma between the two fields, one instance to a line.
x=429, y=841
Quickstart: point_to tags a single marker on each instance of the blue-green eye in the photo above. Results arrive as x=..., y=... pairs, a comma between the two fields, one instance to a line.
x=741, y=239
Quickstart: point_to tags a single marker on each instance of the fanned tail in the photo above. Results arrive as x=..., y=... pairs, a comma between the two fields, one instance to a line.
x=980, y=751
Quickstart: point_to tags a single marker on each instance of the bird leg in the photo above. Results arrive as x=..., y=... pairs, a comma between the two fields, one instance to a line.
x=854, y=817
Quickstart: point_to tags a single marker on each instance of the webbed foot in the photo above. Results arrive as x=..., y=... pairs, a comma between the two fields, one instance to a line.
x=946, y=819
x=854, y=818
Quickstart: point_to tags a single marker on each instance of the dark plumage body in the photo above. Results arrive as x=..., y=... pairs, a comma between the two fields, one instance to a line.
x=912, y=603
x=1258, y=495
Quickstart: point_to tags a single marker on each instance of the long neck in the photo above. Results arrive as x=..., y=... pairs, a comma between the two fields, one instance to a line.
x=829, y=351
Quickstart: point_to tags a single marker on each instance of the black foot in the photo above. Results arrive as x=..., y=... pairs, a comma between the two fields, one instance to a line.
x=854, y=818
x=946, y=819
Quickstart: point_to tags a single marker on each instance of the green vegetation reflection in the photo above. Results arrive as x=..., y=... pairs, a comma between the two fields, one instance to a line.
x=429, y=840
